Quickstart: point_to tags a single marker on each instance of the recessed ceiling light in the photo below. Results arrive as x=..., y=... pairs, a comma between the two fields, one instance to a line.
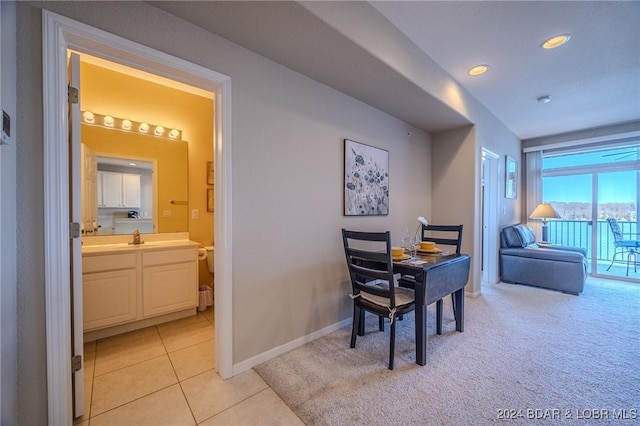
x=479, y=69
x=556, y=41
x=544, y=99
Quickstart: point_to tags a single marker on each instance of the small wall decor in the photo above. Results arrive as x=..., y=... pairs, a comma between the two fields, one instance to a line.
x=209, y=199
x=511, y=178
x=366, y=180
x=209, y=172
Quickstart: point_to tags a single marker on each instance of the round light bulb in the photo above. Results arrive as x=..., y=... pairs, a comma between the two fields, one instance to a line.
x=143, y=128
x=88, y=117
x=159, y=131
x=108, y=121
x=173, y=134
x=126, y=124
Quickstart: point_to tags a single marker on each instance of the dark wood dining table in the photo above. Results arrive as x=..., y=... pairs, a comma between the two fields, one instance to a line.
x=442, y=274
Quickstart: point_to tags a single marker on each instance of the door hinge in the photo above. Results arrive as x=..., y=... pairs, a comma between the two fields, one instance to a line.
x=72, y=93
x=74, y=230
x=76, y=363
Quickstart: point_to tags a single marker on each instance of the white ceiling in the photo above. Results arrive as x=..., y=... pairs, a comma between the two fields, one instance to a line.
x=593, y=81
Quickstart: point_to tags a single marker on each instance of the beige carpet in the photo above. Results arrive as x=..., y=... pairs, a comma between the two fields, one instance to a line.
x=523, y=349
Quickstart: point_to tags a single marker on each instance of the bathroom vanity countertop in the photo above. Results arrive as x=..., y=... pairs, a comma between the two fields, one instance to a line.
x=147, y=245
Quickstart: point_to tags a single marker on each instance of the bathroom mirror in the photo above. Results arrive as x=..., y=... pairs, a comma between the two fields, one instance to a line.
x=140, y=182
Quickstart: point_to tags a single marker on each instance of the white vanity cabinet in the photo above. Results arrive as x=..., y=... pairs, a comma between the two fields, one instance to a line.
x=118, y=190
x=109, y=286
x=169, y=281
x=130, y=287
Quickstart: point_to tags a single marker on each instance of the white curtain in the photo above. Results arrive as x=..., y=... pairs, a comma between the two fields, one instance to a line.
x=533, y=188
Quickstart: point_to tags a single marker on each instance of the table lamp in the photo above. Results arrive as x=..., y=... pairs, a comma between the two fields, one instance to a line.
x=545, y=211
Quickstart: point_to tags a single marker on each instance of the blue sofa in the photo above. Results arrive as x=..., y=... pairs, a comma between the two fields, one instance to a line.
x=522, y=261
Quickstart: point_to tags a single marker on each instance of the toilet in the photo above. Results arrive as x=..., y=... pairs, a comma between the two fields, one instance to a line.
x=210, y=257
x=206, y=291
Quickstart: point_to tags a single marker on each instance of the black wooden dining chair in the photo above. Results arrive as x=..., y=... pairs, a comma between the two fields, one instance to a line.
x=443, y=235
x=372, y=283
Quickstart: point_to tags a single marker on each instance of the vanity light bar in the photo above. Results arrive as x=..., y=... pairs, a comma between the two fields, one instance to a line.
x=111, y=122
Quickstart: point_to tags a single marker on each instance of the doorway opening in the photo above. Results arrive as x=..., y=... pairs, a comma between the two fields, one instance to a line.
x=59, y=35
x=147, y=182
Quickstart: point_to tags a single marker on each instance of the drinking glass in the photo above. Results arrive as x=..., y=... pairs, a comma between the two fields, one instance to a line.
x=415, y=244
x=407, y=241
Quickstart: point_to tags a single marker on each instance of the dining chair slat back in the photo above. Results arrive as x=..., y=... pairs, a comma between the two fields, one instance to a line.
x=435, y=233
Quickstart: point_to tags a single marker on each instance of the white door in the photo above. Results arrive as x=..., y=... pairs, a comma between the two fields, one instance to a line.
x=89, y=188
x=75, y=213
x=490, y=205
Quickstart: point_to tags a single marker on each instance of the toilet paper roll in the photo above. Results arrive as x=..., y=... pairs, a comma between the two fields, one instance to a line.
x=202, y=254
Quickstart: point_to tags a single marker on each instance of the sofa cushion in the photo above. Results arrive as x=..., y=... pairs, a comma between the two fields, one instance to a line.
x=526, y=234
x=518, y=236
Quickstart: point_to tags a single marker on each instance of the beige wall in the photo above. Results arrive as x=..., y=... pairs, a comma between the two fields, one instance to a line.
x=288, y=131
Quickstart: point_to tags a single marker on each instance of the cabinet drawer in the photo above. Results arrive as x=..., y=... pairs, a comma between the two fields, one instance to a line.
x=170, y=256
x=108, y=262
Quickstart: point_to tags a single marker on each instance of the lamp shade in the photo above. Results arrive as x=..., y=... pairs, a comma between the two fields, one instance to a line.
x=544, y=211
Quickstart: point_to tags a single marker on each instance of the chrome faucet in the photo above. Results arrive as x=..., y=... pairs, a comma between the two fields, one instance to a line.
x=136, y=238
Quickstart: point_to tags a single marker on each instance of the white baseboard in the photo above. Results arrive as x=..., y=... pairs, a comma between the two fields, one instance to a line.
x=272, y=353
x=473, y=293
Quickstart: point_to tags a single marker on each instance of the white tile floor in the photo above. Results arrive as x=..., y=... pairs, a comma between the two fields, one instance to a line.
x=164, y=375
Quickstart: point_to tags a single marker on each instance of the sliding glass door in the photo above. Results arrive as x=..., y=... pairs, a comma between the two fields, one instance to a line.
x=586, y=189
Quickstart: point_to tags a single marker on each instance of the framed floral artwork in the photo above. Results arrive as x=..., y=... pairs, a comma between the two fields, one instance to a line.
x=366, y=180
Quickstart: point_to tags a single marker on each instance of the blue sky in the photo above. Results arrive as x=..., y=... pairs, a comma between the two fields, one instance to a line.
x=617, y=187
x=613, y=187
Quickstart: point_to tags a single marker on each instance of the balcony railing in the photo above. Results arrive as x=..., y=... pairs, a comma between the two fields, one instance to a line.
x=577, y=233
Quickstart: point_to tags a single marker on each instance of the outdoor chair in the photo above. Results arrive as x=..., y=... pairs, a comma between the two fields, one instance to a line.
x=622, y=246
x=372, y=283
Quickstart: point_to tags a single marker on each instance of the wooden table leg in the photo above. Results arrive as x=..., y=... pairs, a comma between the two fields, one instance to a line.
x=459, y=298
x=439, y=316
x=421, y=334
